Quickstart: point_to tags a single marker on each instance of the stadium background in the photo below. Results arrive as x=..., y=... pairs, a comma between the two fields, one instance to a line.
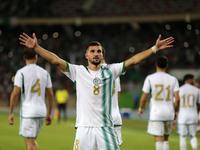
x=123, y=27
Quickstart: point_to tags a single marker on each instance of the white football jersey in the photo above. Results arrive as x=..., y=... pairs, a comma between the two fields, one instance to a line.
x=117, y=120
x=162, y=87
x=189, y=98
x=33, y=81
x=94, y=93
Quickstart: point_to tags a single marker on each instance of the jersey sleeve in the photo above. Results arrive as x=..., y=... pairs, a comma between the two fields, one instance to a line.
x=176, y=86
x=49, y=83
x=117, y=69
x=198, y=97
x=117, y=85
x=71, y=71
x=18, y=79
x=146, y=87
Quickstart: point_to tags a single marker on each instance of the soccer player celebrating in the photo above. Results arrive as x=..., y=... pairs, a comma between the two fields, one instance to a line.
x=94, y=85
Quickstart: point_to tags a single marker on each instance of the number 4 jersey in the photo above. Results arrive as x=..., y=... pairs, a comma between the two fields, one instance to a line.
x=33, y=81
x=189, y=98
x=162, y=87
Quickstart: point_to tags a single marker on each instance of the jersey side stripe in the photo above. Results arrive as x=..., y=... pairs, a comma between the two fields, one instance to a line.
x=106, y=138
x=104, y=98
x=110, y=93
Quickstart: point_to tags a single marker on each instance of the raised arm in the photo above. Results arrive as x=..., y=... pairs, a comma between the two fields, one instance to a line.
x=160, y=45
x=49, y=56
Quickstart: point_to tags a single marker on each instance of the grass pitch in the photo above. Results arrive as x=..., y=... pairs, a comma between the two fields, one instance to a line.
x=60, y=136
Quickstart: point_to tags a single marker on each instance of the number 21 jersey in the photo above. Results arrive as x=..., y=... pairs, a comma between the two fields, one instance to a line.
x=162, y=87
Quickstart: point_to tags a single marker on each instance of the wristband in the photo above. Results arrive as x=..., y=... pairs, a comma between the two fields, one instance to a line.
x=154, y=49
x=140, y=109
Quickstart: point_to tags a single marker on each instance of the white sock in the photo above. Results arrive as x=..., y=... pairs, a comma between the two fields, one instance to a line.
x=183, y=143
x=194, y=143
x=159, y=145
x=165, y=145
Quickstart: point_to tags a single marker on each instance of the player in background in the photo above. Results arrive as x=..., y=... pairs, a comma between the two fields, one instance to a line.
x=188, y=112
x=94, y=85
x=116, y=116
x=62, y=96
x=196, y=84
x=31, y=82
x=164, y=88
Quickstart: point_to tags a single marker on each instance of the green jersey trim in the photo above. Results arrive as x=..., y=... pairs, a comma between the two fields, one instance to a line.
x=67, y=66
x=123, y=69
x=117, y=125
x=106, y=139
x=160, y=120
x=104, y=99
x=187, y=124
x=28, y=137
x=23, y=90
x=110, y=93
x=32, y=117
x=113, y=137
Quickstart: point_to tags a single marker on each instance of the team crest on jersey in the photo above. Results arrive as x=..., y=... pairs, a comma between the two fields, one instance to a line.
x=96, y=81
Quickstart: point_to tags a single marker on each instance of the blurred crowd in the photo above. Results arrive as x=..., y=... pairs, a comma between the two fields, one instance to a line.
x=70, y=8
x=121, y=41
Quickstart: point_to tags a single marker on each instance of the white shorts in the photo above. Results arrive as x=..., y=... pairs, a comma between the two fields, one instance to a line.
x=119, y=135
x=187, y=129
x=29, y=128
x=159, y=128
x=99, y=138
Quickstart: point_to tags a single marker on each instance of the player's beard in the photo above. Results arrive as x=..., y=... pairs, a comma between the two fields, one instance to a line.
x=96, y=63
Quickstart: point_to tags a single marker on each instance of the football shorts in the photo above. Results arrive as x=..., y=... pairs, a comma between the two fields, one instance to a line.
x=29, y=127
x=90, y=138
x=159, y=128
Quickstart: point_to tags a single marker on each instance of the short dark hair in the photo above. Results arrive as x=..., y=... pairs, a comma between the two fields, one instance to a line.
x=162, y=61
x=29, y=53
x=187, y=77
x=95, y=43
x=104, y=52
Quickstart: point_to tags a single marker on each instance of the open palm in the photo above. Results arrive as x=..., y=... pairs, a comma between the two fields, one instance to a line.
x=28, y=41
x=166, y=43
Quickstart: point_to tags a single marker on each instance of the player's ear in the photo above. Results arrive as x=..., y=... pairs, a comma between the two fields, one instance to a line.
x=86, y=55
x=166, y=66
x=36, y=57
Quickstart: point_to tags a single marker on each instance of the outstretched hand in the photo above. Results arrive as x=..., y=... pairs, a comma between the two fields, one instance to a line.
x=28, y=41
x=163, y=44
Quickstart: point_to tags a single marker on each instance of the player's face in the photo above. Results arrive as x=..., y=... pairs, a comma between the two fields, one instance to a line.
x=94, y=55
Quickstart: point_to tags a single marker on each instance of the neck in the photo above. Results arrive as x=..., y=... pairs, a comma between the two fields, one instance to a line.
x=94, y=67
x=188, y=82
x=160, y=70
x=30, y=61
